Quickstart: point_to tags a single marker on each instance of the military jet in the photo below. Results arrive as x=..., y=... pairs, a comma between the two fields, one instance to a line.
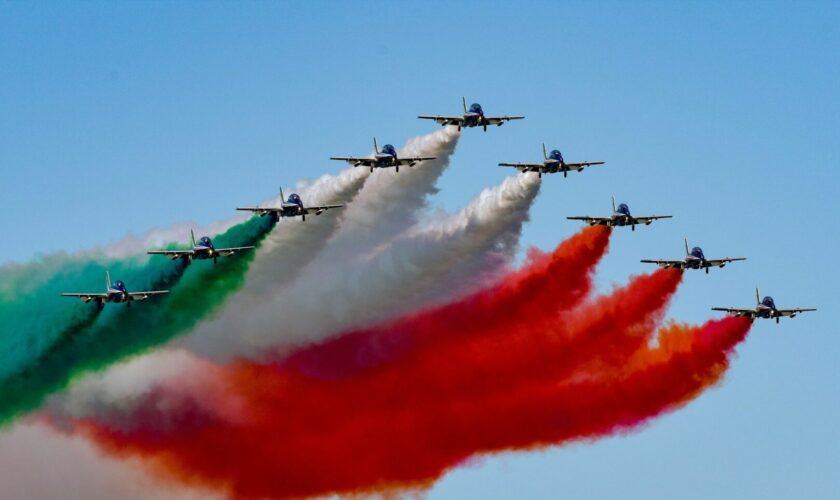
x=293, y=207
x=204, y=249
x=474, y=117
x=552, y=164
x=620, y=217
x=114, y=293
x=385, y=158
x=765, y=308
x=695, y=259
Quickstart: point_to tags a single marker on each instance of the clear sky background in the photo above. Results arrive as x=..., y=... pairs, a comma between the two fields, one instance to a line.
x=117, y=118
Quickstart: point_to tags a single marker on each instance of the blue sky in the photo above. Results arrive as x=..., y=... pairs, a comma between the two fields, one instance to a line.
x=117, y=118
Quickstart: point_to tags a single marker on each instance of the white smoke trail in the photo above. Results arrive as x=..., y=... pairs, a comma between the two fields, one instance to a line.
x=388, y=203
x=391, y=201
x=294, y=243
x=493, y=223
x=418, y=268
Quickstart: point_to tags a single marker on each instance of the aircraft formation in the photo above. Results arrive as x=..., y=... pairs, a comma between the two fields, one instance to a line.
x=387, y=157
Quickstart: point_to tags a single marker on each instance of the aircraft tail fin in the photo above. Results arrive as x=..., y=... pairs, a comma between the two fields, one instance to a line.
x=464, y=100
x=282, y=198
x=757, y=296
x=686, y=246
x=375, y=146
x=192, y=236
x=545, y=155
x=613, y=203
x=107, y=281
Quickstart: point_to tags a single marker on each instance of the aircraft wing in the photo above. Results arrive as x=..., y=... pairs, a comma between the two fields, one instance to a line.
x=498, y=120
x=647, y=219
x=444, y=120
x=356, y=162
x=581, y=165
x=792, y=312
x=232, y=250
x=524, y=167
x=749, y=313
x=145, y=295
x=260, y=210
x=318, y=209
x=415, y=159
x=720, y=262
x=87, y=297
x=174, y=254
x=667, y=264
x=592, y=220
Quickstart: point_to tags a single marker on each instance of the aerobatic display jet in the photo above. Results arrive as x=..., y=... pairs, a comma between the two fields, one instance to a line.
x=114, y=293
x=765, y=308
x=694, y=259
x=552, y=164
x=386, y=158
x=293, y=207
x=472, y=117
x=204, y=249
x=621, y=217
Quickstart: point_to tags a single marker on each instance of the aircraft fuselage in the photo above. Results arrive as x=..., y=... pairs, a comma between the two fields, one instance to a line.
x=386, y=160
x=202, y=252
x=554, y=166
x=474, y=120
x=291, y=210
x=694, y=262
x=117, y=296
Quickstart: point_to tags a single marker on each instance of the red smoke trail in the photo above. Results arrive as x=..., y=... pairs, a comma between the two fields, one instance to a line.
x=318, y=441
x=599, y=336
x=409, y=420
x=556, y=281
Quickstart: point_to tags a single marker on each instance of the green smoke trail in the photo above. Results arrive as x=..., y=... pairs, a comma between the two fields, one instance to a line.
x=33, y=317
x=80, y=344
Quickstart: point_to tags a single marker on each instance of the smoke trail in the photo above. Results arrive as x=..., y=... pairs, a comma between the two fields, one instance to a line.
x=559, y=280
x=37, y=462
x=311, y=450
x=298, y=246
x=422, y=386
x=391, y=201
x=37, y=317
x=587, y=342
x=120, y=332
x=607, y=330
x=387, y=203
x=417, y=268
x=28, y=291
x=285, y=252
x=28, y=304
x=364, y=223
x=554, y=282
x=492, y=217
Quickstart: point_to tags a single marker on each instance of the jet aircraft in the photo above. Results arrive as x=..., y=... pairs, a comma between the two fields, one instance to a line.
x=765, y=308
x=204, y=249
x=473, y=117
x=385, y=158
x=695, y=259
x=114, y=293
x=621, y=217
x=292, y=207
x=552, y=163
